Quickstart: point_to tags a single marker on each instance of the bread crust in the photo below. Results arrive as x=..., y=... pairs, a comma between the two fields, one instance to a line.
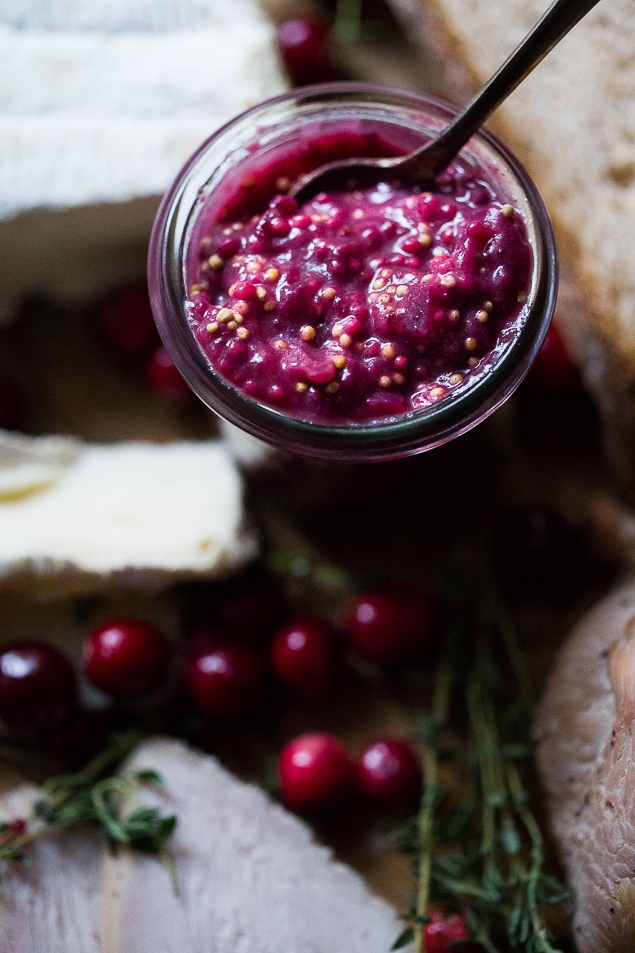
x=596, y=305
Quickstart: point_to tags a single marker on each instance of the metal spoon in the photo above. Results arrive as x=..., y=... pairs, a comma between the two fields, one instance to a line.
x=425, y=163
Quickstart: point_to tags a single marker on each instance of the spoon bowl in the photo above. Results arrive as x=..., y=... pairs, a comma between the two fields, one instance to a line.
x=424, y=164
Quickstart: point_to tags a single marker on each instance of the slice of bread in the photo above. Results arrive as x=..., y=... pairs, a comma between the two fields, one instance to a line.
x=572, y=123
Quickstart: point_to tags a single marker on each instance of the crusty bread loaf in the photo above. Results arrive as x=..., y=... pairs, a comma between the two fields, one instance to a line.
x=572, y=123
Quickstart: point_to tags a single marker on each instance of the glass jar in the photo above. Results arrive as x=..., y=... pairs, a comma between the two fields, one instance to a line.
x=285, y=119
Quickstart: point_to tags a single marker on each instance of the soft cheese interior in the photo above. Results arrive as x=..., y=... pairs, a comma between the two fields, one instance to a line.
x=77, y=518
x=100, y=104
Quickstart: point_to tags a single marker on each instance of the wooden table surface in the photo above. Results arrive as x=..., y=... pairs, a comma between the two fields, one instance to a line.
x=416, y=522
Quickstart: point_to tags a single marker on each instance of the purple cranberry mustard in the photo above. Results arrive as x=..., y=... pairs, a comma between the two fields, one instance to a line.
x=370, y=322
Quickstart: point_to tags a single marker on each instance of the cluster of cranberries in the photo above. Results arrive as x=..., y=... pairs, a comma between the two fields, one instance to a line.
x=125, y=325
x=225, y=678
x=225, y=674
x=315, y=771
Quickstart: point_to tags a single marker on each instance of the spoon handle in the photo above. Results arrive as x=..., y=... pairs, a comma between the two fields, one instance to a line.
x=555, y=23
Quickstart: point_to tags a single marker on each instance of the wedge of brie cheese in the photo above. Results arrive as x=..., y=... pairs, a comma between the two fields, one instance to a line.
x=100, y=105
x=78, y=518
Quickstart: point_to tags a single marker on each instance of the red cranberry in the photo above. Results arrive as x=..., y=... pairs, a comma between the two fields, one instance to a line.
x=37, y=687
x=125, y=323
x=313, y=770
x=11, y=407
x=444, y=929
x=304, y=48
x=536, y=548
x=301, y=654
x=163, y=377
x=285, y=205
x=228, y=247
x=390, y=773
x=390, y=627
x=225, y=681
x=553, y=375
x=126, y=657
x=17, y=826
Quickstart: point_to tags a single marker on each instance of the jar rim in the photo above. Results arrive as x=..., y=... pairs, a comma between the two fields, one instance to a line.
x=381, y=439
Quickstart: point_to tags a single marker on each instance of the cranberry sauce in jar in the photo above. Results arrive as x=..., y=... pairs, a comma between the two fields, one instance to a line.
x=361, y=304
x=373, y=321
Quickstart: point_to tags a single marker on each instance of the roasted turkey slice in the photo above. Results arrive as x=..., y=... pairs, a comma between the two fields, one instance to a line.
x=251, y=879
x=585, y=731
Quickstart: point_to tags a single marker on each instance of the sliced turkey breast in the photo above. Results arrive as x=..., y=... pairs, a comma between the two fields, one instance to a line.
x=586, y=755
x=251, y=879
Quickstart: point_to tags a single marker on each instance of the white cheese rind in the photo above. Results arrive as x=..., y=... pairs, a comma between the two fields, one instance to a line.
x=131, y=515
x=31, y=463
x=100, y=105
x=112, y=118
x=118, y=15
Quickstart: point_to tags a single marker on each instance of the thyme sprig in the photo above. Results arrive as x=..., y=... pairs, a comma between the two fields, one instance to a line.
x=96, y=795
x=477, y=846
